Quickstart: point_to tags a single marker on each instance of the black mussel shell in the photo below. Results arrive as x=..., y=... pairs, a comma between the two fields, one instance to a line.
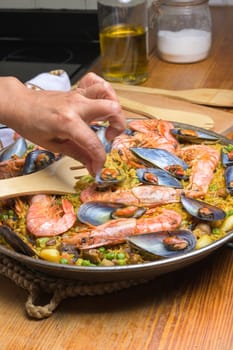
x=227, y=156
x=108, y=177
x=163, y=160
x=18, y=148
x=100, y=131
x=15, y=242
x=229, y=179
x=164, y=244
x=194, y=136
x=202, y=210
x=37, y=160
x=156, y=176
x=97, y=213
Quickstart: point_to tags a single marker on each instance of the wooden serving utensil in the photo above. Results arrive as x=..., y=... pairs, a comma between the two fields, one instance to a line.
x=187, y=117
x=205, y=96
x=58, y=178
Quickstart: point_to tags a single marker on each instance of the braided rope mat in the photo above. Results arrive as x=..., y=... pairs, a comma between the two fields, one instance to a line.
x=36, y=283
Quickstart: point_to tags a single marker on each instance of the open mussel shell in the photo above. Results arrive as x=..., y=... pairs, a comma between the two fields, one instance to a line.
x=108, y=177
x=97, y=213
x=156, y=176
x=18, y=148
x=202, y=210
x=194, y=136
x=229, y=179
x=164, y=244
x=163, y=160
x=37, y=160
x=15, y=242
x=227, y=156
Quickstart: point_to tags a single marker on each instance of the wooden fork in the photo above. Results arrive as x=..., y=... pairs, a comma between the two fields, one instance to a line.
x=58, y=178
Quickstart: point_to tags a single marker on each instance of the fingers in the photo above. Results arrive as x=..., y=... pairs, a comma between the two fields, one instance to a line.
x=90, y=79
x=105, y=110
x=84, y=145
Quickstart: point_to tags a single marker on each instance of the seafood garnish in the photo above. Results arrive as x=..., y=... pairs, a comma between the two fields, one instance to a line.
x=163, y=160
x=156, y=127
x=164, y=244
x=227, y=155
x=108, y=177
x=97, y=213
x=17, y=148
x=15, y=241
x=47, y=218
x=194, y=136
x=229, y=179
x=117, y=231
x=202, y=210
x=203, y=160
x=149, y=196
x=37, y=160
x=158, y=177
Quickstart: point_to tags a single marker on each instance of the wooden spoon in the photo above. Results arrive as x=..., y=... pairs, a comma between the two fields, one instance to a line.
x=58, y=178
x=196, y=119
x=209, y=97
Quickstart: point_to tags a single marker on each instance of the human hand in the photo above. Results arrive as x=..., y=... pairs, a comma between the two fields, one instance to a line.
x=59, y=121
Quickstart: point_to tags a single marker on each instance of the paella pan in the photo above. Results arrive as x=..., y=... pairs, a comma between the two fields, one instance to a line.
x=162, y=202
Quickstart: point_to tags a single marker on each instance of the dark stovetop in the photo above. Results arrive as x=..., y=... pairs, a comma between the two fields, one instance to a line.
x=32, y=42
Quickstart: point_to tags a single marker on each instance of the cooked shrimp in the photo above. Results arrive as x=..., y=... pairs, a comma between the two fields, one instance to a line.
x=46, y=218
x=149, y=196
x=160, y=128
x=116, y=231
x=203, y=160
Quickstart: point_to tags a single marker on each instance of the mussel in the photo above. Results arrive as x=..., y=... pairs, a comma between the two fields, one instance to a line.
x=164, y=244
x=15, y=242
x=108, y=177
x=194, y=136
x=100, y=131
x=202, y=210
x=227, y=156
x=18, y=148
x=97, y=213
x=229, y=179
x=163, y=160
x=155, y=176
x=37, y=160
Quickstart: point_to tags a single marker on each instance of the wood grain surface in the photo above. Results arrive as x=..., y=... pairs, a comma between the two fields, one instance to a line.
x=190, y=309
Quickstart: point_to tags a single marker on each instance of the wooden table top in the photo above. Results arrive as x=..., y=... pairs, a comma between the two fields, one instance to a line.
x=187, y=309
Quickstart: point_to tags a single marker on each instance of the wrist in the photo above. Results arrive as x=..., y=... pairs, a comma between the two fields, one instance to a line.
x=12, y=93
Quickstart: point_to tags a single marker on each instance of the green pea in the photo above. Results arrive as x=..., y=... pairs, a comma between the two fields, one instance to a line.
x=87, y=263
x=11, y=212
x=110, y=255
x=120, y=256
x=63, y=261
x=121, y=262
x=216, y=230
x=102, y=249
x=4, y=217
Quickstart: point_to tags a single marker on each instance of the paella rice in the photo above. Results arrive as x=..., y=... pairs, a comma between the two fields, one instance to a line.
x=13, y=213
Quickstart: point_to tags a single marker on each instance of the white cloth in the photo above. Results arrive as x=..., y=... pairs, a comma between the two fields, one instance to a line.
x=55, y=80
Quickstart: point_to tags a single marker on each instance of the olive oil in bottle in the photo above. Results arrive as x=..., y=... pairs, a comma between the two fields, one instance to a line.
x=123, y=40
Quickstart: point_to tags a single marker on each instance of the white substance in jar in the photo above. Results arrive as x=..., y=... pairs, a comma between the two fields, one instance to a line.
x=186, y=45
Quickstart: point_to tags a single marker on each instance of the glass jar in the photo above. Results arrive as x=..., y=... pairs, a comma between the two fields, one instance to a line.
x=184, y=31
x=123, y=32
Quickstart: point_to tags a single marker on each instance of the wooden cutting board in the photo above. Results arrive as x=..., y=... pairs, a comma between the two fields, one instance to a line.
x=223, y=120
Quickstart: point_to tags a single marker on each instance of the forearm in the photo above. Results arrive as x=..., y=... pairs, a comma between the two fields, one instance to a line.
x=13, y=96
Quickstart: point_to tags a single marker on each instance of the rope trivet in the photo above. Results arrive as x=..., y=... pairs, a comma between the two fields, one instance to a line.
x=36, y=283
